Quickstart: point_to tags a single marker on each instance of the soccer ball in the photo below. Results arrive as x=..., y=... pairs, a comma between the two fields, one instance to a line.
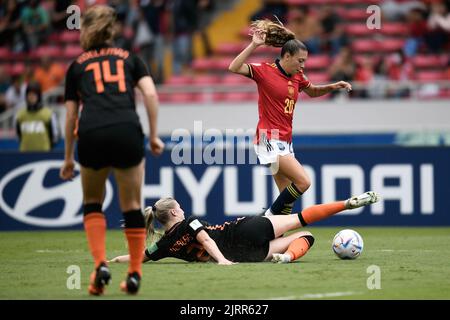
x=348, y=244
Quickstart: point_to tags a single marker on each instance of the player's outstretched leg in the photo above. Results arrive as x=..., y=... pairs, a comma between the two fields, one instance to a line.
x=364, y=199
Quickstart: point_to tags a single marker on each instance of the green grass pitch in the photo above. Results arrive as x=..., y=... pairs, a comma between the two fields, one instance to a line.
x=413, y=262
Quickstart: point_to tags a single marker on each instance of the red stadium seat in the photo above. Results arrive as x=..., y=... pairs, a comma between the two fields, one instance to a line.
x=429, y=61
x=50, y=51
x=308, y=2
x=183, y=97
x=229, y=48
x=17, y=69
x=205, y=79
x=5, y=53
x=389, y=45
x=202, y=64
x=67, y=37
x=72, y=51
x=318, y=77
x=317, y=62
x=179, y=80
x=394, y=29
x=425, y=76
x=365, y=45
x=221, y=64
x=359, y=29
x=235, y=79
x=236, y=96
x=353, y=14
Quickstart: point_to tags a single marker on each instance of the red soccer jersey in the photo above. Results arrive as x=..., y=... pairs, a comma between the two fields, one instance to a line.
x=278, y=93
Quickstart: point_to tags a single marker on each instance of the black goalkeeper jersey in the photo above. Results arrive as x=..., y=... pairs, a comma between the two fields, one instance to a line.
x=103, y=81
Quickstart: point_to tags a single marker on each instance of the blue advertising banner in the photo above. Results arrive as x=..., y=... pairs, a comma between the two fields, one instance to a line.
x=414, y=184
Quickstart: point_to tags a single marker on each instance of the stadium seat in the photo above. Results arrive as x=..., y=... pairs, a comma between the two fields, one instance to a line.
x=221, y=64
x=72, y=51
x=425, y=76
x=235, y=79
x=236, y=96
x=228, y=49
x=318, y=77
x=5, y=53
x=205, y=79
x=358, y=30
x=68, y=37
x=307, y=2
x=17, y=69
x=394, y=29
x=317, y=62
x=353, y=14
x=183, y=97
x=365, y=45
x=389, y=45
x=179, y=80
x=202, y=64
x=429, y=61
x=50, y=51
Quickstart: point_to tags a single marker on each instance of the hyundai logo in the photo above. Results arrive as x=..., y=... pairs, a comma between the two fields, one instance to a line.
x=34, y=194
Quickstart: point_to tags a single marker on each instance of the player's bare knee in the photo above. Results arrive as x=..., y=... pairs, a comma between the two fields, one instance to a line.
x=303, y=185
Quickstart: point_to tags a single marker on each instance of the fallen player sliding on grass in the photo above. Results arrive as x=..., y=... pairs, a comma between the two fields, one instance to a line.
x=248, y=239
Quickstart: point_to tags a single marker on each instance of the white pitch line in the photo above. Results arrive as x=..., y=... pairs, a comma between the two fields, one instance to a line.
x=56, y=251
x=318, y=295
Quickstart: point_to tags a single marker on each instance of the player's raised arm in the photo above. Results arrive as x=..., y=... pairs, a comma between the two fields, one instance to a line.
x=211, y=247
x=238, y=64
x=317, y=91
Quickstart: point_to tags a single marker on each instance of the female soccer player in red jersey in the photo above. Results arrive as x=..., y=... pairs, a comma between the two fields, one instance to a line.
x=279, y=84
x=110, y=138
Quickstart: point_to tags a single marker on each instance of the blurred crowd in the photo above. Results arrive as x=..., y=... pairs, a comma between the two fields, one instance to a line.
x=322, y=28
x=153, y=28
x=144, y=26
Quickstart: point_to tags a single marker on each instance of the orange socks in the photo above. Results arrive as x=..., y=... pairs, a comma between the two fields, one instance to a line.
x=299, y=247
x=95, y=227
x=136, y=246
x=319, y=212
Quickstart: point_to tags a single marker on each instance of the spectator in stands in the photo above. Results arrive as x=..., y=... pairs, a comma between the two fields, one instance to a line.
x=364, y=74
x=205, y=12
x=15, y=95
x=343, y=66
x=120, y=39
x=59, y=14
x=36, y=125
x=417, y=30
x=394, y=10
x=271, y=8
x=439, y=27
x=35, y=22
x=333, y=31
x=400, y=69
x=4, y=85
x=184, y=22
x=49, y=74
x=152, y=51
x=307, y=28
x=10, y=25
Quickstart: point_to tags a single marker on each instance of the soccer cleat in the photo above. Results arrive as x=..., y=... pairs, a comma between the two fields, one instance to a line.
x=99, y=279
x=364, y=199
x=131, y=284
x=281, y=258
